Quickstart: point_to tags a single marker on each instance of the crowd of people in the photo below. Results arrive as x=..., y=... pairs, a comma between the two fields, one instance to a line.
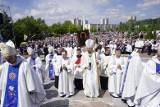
x=99, y=65
x=115, y=40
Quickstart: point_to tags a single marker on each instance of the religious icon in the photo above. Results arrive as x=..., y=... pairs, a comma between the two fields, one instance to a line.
x=82, y=37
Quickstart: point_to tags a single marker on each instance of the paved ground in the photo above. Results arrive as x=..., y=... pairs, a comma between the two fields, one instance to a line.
x=79, y=99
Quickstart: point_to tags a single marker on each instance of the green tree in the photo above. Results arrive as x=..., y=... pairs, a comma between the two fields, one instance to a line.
x=149, y=35
x=33, y=28
x=79, y=28
x=141, y=25
x=154, y=35
x=66, y=26
x=6, y=28
x=123, y=27
x=93, y=29
x=73, y=28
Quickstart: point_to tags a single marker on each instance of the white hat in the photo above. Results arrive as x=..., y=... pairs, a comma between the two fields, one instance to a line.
x=89, y=43
x=8, y=48
x=139, y=44
x=30, y=51
x=50, y=49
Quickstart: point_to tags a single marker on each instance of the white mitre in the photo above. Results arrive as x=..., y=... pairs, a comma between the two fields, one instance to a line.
x=8, y=48
x=30, y=51
x=89, y=43
x=50, y=49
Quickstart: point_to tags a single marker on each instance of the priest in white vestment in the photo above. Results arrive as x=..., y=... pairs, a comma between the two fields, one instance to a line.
x=78, y=72
x=36, y=63
x=148, y=91
x=69, y=50
x=128, y=48
x=58, y=56
x=91, y=82
x=65, y=86
x=19, y=84
x=105, y=58
x=115, y=67
x=50, y=63
x=113, y=47
x=132, y=74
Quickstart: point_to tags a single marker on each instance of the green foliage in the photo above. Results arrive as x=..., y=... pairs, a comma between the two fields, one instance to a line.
x=6, y=28
x=79, y=28
x=93, y=29
x=57, y=35
x=65, y=28
x=123, y=27
x=33, y=28
x=142, y=25
x=154, y=35
x=151, y=35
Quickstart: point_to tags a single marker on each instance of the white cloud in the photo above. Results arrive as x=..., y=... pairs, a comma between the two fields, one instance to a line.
x=57, y=11
x=139, y=14
x=17, y=16
x=93, y=10
x=115, y=15
x=148, y=3
x=142, y=15
x=120, y=6
x=112, y=13
x=101, y=1
x=136, y=12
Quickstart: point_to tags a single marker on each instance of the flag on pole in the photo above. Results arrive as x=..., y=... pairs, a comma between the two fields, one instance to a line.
x=25, y=37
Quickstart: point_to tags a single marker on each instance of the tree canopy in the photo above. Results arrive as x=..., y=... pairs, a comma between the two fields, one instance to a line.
x=146, y=25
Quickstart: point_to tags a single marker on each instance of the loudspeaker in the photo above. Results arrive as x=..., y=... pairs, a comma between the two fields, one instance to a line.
x=1, y=18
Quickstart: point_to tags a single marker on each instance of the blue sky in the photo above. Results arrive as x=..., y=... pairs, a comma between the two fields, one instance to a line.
x=93, y=10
